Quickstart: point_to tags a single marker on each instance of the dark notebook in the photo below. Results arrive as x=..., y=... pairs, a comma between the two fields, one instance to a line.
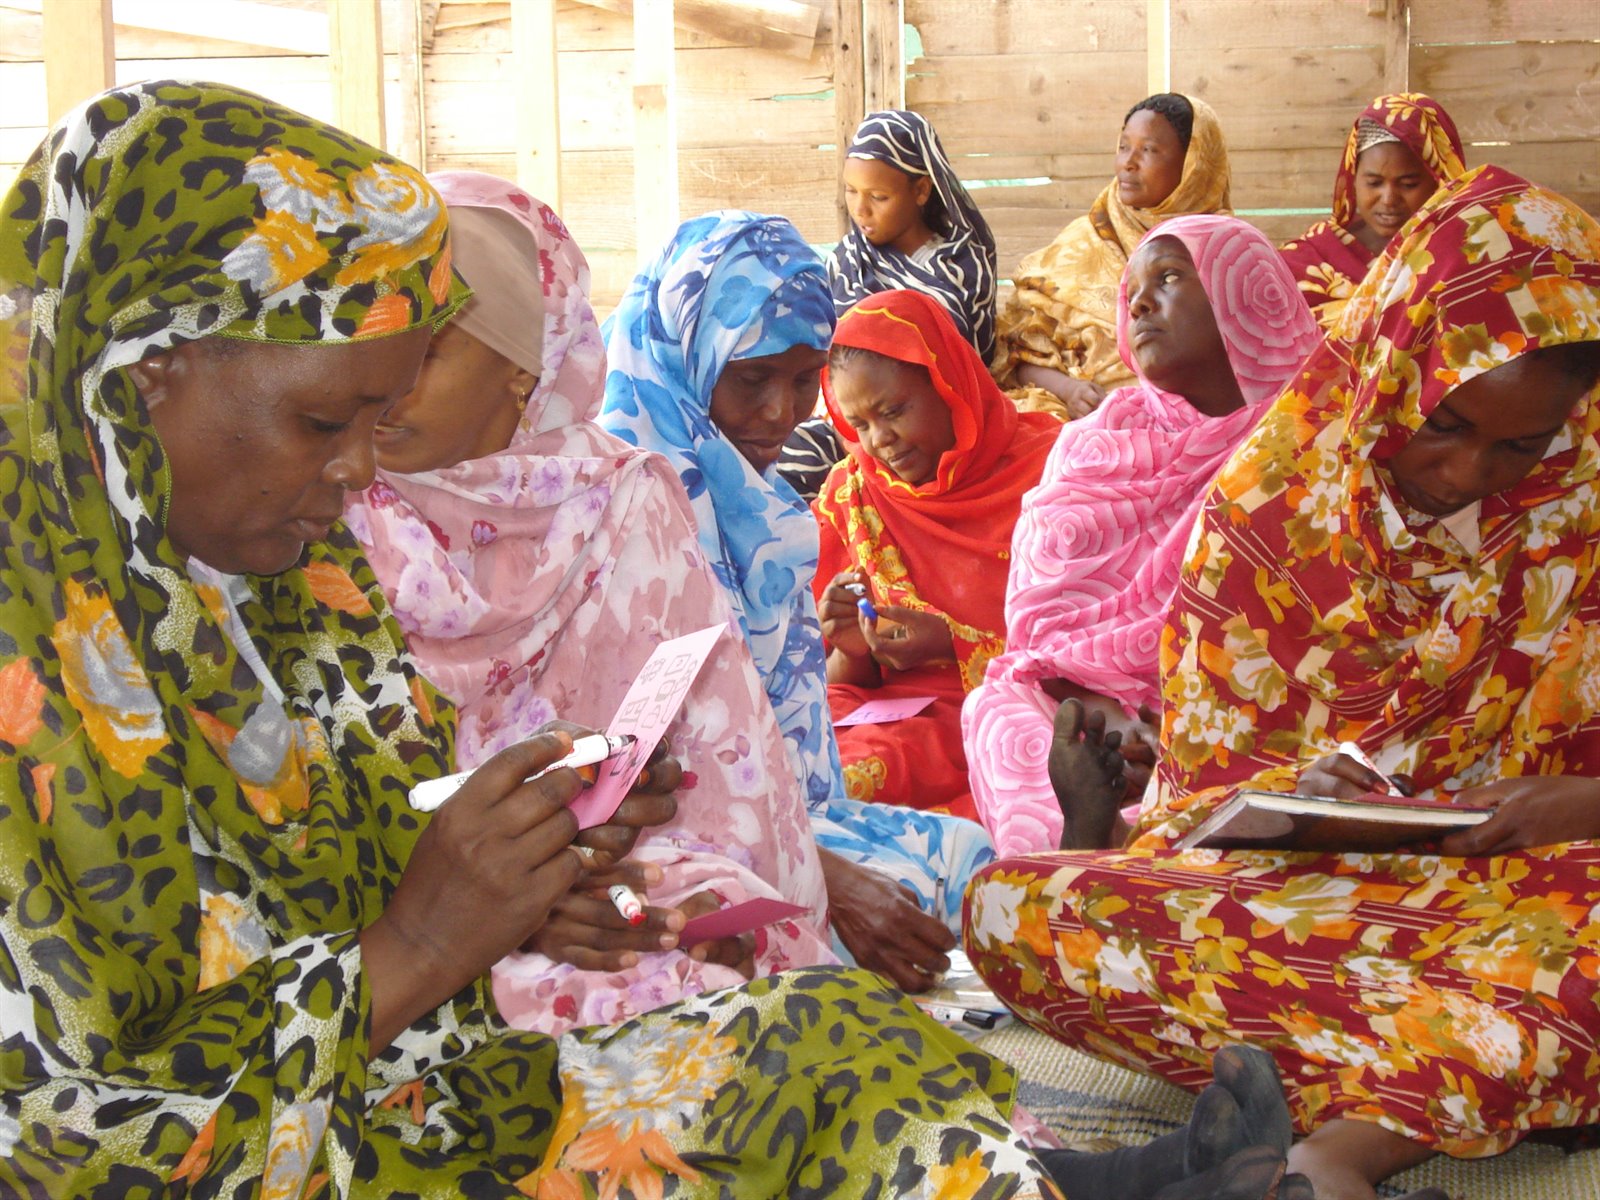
x=1374, y=822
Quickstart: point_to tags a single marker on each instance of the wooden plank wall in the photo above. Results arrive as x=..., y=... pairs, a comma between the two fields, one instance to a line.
x=1028, y=96
x=755, y=127
x=1031, y=93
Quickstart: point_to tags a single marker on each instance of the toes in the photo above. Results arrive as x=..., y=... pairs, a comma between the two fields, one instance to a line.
x=1216, y=1131
x=1069, y=721
x=1250, y=1073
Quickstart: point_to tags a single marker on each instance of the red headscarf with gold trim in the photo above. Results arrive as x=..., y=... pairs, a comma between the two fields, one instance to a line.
x=944, y=545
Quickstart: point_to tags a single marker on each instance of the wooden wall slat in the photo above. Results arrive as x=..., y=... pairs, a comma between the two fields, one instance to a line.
x=955, y=28
x=464, y=92
x=1027, y=103
x=1503, y=20
x=480, y=28
x=1520, y=91
x=1572, y=168
x=599, y=188
x=1251, y=89
x=1255, y=24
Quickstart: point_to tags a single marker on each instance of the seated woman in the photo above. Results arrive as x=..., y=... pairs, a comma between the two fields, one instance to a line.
x=918, y=522
x=1403, y=555
x=1209, y=320
x=512, y=536
x=236, y=961
x=1057, y=334
x=912, y=225
x=1401, y=149
x=716, y=351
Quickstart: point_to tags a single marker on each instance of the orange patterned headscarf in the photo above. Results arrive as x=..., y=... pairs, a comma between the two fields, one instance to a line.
x=946, y=544
x=1316, y=607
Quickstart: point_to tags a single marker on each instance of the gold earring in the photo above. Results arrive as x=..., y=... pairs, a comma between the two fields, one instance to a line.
x=522, y=401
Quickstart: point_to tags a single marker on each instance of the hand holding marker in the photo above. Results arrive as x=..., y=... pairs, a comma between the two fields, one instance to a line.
x=859, y=590
x=1351, y=750
x=586, y=751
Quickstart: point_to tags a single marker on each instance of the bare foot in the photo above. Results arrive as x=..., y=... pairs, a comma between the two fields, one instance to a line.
x=1253, y=1174
x=1345, y=1160
x=1251, y=1076
x=1086, y=773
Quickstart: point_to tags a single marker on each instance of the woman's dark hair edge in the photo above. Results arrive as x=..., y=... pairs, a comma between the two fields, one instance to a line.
x=841, y=356
x=1175, y=108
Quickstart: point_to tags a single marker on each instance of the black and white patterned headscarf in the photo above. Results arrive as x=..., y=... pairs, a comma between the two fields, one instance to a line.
x=960, y=273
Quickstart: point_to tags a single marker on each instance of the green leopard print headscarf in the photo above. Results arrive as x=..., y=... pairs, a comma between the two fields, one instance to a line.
x=181, y=850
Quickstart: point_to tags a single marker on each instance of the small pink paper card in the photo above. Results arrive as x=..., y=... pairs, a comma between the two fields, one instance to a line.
x=646, y=711
x=737, y=919
x=881, y=712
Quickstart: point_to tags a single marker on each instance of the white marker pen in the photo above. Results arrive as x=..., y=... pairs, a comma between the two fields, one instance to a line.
x=587, y=750
x=1351, y=750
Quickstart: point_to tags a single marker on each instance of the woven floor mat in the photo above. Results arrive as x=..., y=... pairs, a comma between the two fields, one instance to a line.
x=1094, y=1105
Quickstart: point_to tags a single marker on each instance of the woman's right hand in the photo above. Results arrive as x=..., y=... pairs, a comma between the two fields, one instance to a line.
x=838, y=614
x=1339, y=776
x=481, y=880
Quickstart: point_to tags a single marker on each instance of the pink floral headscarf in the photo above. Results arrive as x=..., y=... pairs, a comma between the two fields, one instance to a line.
x=534, y=583
x=1096, y=553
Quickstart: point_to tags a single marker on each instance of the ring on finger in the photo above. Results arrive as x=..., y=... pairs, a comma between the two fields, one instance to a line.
x=586, y=855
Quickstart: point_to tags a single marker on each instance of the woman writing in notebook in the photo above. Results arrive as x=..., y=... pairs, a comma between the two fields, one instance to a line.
x=1403, y=555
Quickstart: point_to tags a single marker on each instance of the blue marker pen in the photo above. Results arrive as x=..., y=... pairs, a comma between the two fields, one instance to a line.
x=867, y=610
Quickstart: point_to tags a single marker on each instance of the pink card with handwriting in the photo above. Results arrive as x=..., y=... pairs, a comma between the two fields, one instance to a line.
x=646, y=711
x=737, y=919
x=881, y=712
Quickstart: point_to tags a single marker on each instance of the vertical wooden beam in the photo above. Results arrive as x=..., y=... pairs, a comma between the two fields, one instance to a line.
x=536, y=94
x=80, y=57
x=355, y=50
x=849, y=97
x=883, y=53
x=655, y=126
x=1397, y=46
x=1158, y=46
x=413, y=142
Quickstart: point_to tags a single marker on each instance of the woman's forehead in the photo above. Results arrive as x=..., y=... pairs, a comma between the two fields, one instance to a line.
x=1165, y=246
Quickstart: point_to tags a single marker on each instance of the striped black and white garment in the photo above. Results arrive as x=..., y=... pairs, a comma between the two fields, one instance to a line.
x=958, y=269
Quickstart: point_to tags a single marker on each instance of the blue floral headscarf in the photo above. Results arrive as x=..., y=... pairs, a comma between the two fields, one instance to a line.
x=730, y=286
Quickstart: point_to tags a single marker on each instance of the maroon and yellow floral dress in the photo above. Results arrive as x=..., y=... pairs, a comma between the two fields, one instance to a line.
x=1452, y=1001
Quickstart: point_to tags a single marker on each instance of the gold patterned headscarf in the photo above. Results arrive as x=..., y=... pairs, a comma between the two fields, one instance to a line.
x=1063, y=314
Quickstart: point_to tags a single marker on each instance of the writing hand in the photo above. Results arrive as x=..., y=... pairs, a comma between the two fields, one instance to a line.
x=481, y=879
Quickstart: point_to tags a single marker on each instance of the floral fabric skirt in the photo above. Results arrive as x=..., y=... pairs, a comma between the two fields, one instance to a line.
x=1452, y=1001
x=818, y=1082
